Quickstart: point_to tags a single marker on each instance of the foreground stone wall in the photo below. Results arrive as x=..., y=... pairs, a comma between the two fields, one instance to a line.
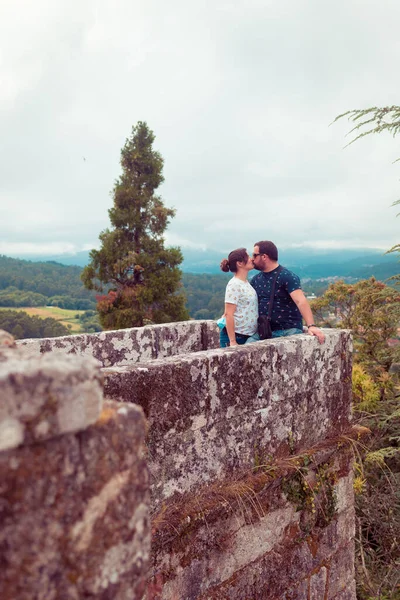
x=249, y=454
x=250, y=469
x=73, y=484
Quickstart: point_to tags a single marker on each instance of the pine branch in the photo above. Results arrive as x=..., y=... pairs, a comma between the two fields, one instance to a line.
x=386, y=118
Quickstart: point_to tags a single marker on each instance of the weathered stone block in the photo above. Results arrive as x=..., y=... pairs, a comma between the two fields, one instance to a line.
x=341, y=572
x=299, y=592
x=349, y=593
x=74, y=513
x=267, y=578
x=46, y=396
x=254, y=546
x=252, y=376
x=318, y=584
x=243, y=543
x=345, y=492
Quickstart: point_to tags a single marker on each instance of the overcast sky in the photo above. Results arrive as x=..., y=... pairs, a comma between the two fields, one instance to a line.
x=240, y=95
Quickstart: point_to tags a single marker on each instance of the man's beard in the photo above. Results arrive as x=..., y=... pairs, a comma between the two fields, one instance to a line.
x=258, y=268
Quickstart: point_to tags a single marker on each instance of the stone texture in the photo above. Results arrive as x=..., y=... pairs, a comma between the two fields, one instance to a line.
x=45, y=396
x=74, y=513
x=299, y=592
x=73, y=509
x=349, y=593
x=221, y=406
x=127, y=346
x=259, y=551
x=341, y=574
x=318, y=583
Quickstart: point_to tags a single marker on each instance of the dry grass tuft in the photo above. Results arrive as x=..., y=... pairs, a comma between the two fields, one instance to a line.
x=245, y=494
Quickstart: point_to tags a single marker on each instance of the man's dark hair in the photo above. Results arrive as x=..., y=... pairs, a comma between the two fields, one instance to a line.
x=269, y=248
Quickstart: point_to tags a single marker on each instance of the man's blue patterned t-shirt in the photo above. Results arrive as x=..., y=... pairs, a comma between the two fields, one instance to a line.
x=285, y=313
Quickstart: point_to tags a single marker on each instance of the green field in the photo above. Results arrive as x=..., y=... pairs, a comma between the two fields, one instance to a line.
x=66, y=317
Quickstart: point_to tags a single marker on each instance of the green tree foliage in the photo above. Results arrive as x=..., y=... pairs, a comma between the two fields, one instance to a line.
x=21, y=325
x=27, y=283
x=69, y=303
x=372, y=120
x=366, y=393
x=11, y=296
x=141, y=275
x=378, y=507
x=89, y=321
x=371, y=310
x=205, y=294
x=375, y=120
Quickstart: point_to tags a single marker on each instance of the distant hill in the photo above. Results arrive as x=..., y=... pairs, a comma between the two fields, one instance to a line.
x=359, y=268
x=29, y=283
x=79, y=259
x=306, y=262
x=309, y=263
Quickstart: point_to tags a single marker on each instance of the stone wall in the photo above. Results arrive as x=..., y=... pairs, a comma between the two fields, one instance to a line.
x=208, y=412
x=74, y=497
x=250, y=468
x=260, y=537
x=126, y=346
x=249, y=453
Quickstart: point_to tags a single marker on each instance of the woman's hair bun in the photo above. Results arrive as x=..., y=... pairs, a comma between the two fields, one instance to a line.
x=224, y=265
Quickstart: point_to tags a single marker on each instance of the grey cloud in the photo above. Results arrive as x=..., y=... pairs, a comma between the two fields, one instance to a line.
x=240, y=96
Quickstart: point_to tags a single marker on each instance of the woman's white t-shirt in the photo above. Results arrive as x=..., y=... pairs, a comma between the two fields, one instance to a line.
x=244, y=296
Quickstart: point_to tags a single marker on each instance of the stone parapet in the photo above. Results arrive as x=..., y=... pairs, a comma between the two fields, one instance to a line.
x=74, y=493
x=215, y=411
x=127, y=346
x=74, y=513
x=47, y=396
x=247, y=450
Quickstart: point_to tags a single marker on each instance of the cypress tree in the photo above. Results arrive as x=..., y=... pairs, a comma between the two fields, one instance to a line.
x=142, y=277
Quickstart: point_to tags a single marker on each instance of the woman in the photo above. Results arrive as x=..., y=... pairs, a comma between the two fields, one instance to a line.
x=241, y=304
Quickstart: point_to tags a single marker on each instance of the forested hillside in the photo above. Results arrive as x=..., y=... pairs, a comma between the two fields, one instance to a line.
x=205, y=294
x=354, y=269
x=21, y=325
x=26, y=283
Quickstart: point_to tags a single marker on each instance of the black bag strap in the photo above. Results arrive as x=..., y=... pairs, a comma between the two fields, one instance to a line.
x=272, y=296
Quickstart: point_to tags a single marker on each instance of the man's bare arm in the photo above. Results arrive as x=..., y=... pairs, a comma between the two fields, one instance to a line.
x=304, y=307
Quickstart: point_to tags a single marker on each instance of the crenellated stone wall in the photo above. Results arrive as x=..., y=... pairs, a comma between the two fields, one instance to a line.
x=248, y=451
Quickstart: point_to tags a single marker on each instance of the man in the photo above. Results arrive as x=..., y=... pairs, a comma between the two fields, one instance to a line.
x=290, y=304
